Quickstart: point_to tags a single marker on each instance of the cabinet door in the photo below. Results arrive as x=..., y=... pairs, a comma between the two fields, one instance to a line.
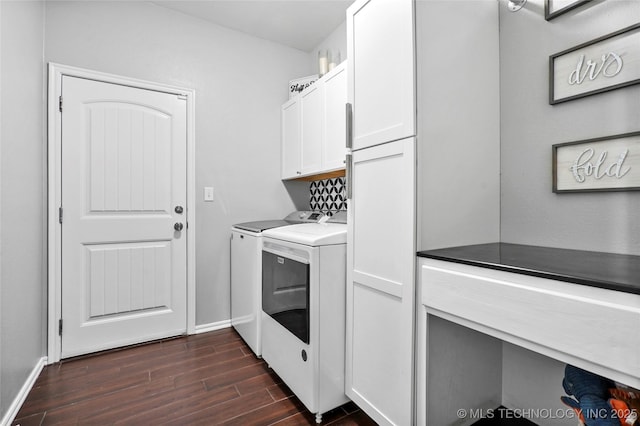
x=291, y=139
x=311, y=122
x=380, y=281
x=335, y=98
x=380, y=45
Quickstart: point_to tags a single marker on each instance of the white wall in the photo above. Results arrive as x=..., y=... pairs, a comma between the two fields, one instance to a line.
x=336, y=42
x=532, y=383
x=458, y=123
x=22, y=196
x=464, y=372
x=240, y=83
x=531, y=212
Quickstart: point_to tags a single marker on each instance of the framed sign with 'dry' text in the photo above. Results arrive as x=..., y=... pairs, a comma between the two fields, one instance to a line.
x=600, y=65
x=603, y=164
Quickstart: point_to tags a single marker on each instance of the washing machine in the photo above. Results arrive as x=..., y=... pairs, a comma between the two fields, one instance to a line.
x=246, y=273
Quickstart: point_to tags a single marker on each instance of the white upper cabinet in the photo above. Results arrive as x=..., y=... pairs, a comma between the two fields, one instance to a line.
x=335, y=98
x=313, y=127
x=291, y=139
x=381, y=70
x=311, y=104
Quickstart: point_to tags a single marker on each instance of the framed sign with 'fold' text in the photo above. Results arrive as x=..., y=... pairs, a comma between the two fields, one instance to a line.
x=610, y=163
x=600, y=65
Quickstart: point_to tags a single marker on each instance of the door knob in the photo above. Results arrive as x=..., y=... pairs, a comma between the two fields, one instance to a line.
x=179, y=209
x=178, y=226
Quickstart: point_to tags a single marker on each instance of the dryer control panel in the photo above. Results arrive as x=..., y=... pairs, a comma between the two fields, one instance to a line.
x=304, y=216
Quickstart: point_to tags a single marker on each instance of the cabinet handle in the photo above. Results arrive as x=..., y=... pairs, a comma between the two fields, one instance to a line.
x=348, y=176
x=349, y=125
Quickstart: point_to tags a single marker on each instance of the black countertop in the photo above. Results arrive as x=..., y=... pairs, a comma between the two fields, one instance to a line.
x=605, y=270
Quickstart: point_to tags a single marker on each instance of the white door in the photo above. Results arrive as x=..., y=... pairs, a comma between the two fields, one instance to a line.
x=380, y=45
x=124, y=265
x=380, y=282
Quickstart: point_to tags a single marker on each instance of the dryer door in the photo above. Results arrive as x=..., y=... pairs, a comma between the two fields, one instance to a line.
x=285, y=291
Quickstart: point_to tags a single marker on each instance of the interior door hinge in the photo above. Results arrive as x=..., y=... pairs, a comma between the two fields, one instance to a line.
x=60, y=327
x=60, y=215
x=60, y=103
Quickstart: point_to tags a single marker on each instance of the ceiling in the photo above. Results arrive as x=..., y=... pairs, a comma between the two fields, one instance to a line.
x=301, y=24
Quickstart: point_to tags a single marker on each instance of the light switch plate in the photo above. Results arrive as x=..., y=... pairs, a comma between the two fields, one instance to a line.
x=208, y=193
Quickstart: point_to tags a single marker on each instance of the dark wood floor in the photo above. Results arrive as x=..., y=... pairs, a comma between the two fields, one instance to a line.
x=205, y=379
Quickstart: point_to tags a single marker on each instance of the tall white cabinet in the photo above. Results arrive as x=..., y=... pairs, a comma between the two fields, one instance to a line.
x=381, y=221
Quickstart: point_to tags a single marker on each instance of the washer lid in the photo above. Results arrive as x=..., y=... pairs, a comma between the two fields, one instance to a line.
x=303, y=216
x=261, y=225
x=311, y=234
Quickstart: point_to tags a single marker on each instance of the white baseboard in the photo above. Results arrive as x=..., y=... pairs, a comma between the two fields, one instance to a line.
x=204, y=328
x=12, y=412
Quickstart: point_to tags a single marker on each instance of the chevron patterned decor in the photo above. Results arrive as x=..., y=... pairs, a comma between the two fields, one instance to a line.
x=328, y=196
